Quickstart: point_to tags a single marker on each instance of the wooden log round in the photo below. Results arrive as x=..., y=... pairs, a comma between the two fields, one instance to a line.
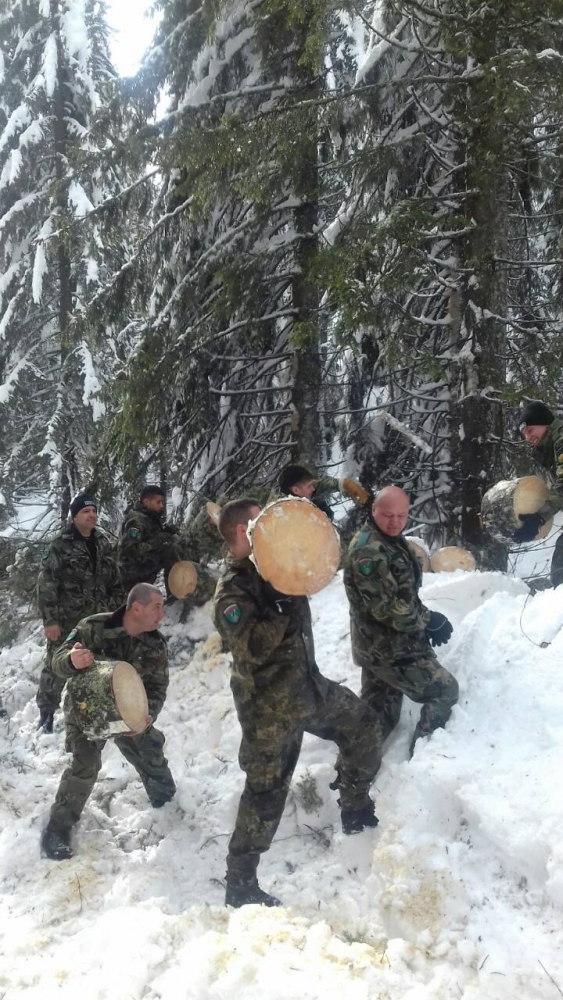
x=420, y=554
x=503, y=503
x=294, y=546
x=450, y=558
x=182, y=579
x=108, y=699
x=213, y=511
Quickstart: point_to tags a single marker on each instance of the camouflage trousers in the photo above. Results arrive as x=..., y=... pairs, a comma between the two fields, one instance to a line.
x=418, y=675
x=50, y=688
x=144, y=752
x=269, y=752
x=557, y=562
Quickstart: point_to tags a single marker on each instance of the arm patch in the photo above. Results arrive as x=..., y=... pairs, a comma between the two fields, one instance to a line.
x=232, y=613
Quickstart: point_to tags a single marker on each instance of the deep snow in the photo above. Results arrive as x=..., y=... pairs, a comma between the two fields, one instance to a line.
x=458, y=893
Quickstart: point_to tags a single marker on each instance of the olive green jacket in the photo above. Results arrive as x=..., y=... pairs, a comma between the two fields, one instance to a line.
x=549, y=454
x=70, y=586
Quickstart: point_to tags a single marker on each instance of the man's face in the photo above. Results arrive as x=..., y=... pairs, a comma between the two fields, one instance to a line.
x=305, y=489
x=391, y=514
x=533, y=433
x=243, y=545
x=155, y=504
x=85, y=521
x=150, y=615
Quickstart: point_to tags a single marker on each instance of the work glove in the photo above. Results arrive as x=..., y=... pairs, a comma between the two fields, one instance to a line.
x=171, y=529
x=531, y=526
x=439, y=629
x=354, y=490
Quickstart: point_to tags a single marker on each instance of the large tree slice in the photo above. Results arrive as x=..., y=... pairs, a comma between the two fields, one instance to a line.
x=182, y=579
x=213, y=511
x=295, y=547
x=450, y=558
x=503, y=503
x=420, y=554
x=108, y=699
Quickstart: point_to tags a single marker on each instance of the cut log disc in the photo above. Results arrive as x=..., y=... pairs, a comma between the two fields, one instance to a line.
x=504, y=502
x=213, y=511
x=420, y=554
x=295, y=546
x=450, y=558
x=108, y=699
x=182, y=579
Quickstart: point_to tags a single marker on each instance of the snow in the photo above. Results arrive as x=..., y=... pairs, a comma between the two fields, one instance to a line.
x=50, y=62
x=458, y=893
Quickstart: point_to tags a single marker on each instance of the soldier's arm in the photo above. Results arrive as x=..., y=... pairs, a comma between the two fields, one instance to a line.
x=378, y=590
x=48, y=588
x=554, y=500
x=252, y=634
x=156, y=685
x=137, y=549
x=60, y=662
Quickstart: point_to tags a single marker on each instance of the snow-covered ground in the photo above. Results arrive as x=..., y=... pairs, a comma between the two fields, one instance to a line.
x=457, y=894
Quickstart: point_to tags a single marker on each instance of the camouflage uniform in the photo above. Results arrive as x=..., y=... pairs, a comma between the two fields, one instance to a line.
x=324, y=487
x=202, y=539
x=72, y=584
x=105, y=636
x=279, y=694
x=147, y=545
x=388, y=621
x=549, y=454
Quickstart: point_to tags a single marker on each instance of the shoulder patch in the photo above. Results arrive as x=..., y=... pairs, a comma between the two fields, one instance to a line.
x=232, y=613
x=133, y=532
x=71, y=635
x=365, y=566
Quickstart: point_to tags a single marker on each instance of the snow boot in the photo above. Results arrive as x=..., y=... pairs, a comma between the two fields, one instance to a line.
x=46, y=720
x=55, y=844
x=356, y=820
x=246, y=895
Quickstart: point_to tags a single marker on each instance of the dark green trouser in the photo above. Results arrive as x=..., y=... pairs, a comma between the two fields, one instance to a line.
x=418, y=676
x=144, y=752
x=269, y=751
x=50, y=686
x=557, y=562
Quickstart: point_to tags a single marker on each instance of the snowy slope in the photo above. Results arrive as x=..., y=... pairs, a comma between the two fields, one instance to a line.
x=458, y=893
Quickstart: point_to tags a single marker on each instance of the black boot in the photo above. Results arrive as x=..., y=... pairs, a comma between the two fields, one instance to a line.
x=356, y=820
x=55, y=844
x=246, y=895
x=46, y=720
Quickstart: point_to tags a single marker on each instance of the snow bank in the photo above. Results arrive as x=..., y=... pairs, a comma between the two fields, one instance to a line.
x=458, y=893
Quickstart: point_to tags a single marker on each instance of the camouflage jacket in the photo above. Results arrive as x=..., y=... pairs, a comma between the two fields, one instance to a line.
x=202, y=540
x=106, y=638
x=145, y=547
x=324, y=487
x=70, y=586
x=382, y=578
x=549, y=454
x=271, y=639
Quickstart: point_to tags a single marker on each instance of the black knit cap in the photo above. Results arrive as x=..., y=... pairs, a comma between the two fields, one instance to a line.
x=536, y=414
x=81, y=501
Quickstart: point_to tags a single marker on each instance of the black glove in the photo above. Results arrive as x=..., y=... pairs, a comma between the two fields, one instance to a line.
x=531, y=526
x=171, y=529
x=439, y=629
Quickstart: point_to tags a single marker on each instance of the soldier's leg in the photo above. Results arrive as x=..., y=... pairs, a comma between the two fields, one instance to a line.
x=557, y=562
x=146, y=754
x=268, y=756
x=50, y=686
x=382, y=698
x=354, y=727
x=77, y=781
x=422, y=679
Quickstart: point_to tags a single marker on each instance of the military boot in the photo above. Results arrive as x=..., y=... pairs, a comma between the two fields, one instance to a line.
x=356, y=820
x=246, y=895
x=55, y=844
x=46, y=720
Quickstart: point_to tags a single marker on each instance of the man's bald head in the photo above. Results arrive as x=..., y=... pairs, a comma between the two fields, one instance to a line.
x=390, y=510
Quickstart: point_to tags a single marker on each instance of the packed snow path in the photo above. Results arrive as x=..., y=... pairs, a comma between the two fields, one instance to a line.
x=457, y=894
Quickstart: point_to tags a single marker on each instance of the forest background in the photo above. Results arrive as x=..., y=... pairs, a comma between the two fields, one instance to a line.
x=304, y=230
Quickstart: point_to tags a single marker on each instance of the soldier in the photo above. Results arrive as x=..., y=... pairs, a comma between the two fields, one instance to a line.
x=391, y=630
x=544, y=433
x=78, y=576
x=147, y=545
x=202, y=539
x=279, y=694
x=129, y=634
x=297, y=481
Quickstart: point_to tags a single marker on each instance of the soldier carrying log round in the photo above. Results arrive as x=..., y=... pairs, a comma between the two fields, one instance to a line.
x=543, y=432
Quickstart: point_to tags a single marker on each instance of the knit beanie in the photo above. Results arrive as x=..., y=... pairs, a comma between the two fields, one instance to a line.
x=81, y=501
x=535, y=414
